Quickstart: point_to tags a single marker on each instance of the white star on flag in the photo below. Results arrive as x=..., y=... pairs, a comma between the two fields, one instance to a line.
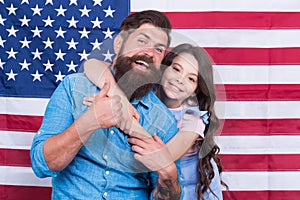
x=59, y=76
x=85, y=11
x=2, y=42
x=108, y=56
x=72, y=44
x=11, y=75
x=36, y=10
x=72, y=22
x=48, y=43
x=25, y=65
x=84, y=33
x=11, y=9
x=2, y=20
x=37, y=54
x=109, y=12
x=48, y=21
x=60, y=55
x=12, y=31
x=48, y=66
x=97, y=23
x=96, y=44
x=25, y=43
x=37, y=76
x=97, y=2
x=61, y=11
x=36, y=32
x=71, y=66
x=60, y=33
x=25, y=21
x=108, y=33
x=11, y=53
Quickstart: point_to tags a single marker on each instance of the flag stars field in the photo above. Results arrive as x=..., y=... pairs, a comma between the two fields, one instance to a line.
x=58, y=41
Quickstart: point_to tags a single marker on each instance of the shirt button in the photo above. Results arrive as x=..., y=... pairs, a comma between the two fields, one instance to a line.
x=105, y=157
x=105, y=194
x=106, y=172
x=112, y=132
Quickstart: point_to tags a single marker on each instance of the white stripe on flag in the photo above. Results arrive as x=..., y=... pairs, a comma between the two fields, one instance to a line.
x=263, y=74
x=247, y=181
x=225, y=110
x=259, y=144
x=237, y=181
x=23, y=176
x=216, y=5
x=258, y=109
x=228, y=144
x=237, y=38
x=23, y=106
x=16, y=140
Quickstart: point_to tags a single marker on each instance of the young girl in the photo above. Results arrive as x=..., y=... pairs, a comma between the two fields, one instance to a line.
x=187, y=89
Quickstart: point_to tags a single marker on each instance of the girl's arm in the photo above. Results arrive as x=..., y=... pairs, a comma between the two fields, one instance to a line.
x=98, y=72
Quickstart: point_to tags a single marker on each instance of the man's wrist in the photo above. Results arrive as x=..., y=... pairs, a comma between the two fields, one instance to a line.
x=168, y=173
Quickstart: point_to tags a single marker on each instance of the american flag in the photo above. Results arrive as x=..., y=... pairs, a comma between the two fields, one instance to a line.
x=256, y=49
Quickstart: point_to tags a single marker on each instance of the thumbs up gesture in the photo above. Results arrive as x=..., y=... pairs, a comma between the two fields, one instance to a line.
x=107, y=111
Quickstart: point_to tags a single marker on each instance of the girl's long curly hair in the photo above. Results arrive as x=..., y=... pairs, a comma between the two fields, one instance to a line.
x=205, y=98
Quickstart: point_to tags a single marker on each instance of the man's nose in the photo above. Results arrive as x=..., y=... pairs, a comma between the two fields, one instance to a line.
x=148, y=51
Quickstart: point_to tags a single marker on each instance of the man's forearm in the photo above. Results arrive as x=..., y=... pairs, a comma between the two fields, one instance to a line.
x=167, y=186
x=60, y=150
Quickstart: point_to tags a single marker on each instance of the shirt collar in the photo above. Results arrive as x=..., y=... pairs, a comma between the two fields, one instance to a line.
x=145, y=101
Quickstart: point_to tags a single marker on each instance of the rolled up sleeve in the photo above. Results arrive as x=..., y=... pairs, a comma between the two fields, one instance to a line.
x=57, y=118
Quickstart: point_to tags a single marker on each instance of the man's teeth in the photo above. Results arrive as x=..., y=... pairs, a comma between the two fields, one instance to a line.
x=140, y=62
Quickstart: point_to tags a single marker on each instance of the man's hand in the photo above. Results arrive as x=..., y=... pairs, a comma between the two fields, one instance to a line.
x=107, y=111
x=125, y=112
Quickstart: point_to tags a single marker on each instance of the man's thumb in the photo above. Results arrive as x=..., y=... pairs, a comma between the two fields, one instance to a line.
x=105, y=89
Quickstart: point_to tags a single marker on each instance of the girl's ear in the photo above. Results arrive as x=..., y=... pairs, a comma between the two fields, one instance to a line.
x=118, y=41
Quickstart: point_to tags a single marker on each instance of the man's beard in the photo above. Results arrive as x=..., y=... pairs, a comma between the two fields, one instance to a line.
x=136, y=83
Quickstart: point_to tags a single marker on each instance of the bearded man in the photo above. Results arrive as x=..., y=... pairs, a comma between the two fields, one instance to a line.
x=83, y=150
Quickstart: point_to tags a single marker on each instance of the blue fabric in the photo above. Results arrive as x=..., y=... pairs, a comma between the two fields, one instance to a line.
x=104, y=168
x=190, y=177
x=178, y=114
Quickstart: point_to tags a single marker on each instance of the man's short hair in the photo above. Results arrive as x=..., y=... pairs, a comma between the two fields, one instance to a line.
x=156, y=18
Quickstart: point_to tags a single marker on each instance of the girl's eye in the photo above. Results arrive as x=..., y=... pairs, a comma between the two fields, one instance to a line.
x=192, y=79
x=176, y=69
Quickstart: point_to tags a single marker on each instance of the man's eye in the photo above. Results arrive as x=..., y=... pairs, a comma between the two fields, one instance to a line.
x=141, y=41
x=159, y=50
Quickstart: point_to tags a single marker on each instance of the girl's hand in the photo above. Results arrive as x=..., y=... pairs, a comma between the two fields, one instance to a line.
x=152, y=152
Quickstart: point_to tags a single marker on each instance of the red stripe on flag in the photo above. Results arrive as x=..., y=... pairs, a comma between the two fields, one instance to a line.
x=234, y=20
x=258, y=92
x=242, y=127
x=264, y=162
x=20, y=122
x=10, y=192
x=254, y=56
x=261, y=195
x=15, y=157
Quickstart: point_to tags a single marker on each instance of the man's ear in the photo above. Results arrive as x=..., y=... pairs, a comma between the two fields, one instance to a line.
x=118, y=43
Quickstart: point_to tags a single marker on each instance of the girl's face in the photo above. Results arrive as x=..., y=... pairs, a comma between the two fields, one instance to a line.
x=180, y=79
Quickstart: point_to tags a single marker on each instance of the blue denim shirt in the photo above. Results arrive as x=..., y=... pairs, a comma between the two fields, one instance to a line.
x=104, y=168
